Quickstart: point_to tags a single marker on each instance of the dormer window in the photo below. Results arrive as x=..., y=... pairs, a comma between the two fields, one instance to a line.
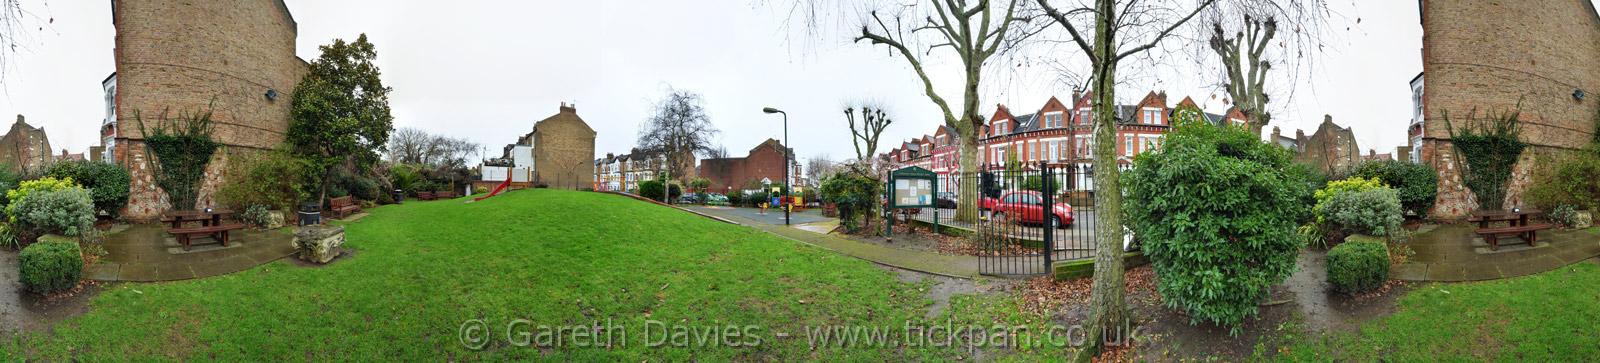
x=1152, y=116
x=1054, y=119
x=1083, y=117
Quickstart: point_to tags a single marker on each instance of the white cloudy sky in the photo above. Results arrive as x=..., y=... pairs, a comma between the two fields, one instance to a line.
x=486, y=70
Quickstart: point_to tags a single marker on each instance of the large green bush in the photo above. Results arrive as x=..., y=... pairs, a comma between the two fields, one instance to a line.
x=1574, y=181
x=1358, y=266
x=1371, y=211
x=854, y=195
x=653, y=189
x=1217, y=210
x=107, y=183
x=273, y=179
x=50, y=266
x=51, y=205
x=1416, y=184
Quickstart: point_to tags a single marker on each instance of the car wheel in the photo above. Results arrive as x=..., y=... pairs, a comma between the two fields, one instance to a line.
x=998, y=218
x=1055, y=221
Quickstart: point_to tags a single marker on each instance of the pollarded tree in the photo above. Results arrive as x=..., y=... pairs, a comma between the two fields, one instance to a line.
x=341, y=110
x=864, y=135
x=1244, y=37
x=970, y=33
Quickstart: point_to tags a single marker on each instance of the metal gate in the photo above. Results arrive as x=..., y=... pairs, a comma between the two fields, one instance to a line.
x=1033, y=216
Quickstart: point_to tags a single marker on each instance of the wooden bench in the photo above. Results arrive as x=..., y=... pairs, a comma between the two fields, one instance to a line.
x=424, y=195
x=450, y=194
x=343, y=206
x=1529, y=233
x=218, y=232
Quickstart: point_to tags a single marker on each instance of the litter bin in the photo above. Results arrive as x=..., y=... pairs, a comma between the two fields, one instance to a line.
x=399, y=196
x=310, y=214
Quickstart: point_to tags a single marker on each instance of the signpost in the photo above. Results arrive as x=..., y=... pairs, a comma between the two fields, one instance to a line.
x=911, y=187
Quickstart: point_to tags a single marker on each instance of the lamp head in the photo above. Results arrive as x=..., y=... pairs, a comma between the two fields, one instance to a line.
x=771, y=110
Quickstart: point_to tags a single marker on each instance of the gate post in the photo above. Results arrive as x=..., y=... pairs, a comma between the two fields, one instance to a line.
x=1047, y=180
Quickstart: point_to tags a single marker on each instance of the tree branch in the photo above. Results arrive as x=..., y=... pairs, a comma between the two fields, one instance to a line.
x=1163, y=33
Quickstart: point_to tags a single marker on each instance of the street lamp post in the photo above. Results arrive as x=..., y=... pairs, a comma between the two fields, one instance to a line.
x=786, y=151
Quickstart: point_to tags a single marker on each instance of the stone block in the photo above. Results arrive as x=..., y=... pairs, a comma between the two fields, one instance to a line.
x=274, y=220
x=319, y=243
x=1582, y=220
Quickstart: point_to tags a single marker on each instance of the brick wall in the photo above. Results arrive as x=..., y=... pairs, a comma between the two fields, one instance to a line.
x=1491, y=55
x=25, y=148
x=765, y=161
x=563, y=151
x=1332, y=149
x=187, y=56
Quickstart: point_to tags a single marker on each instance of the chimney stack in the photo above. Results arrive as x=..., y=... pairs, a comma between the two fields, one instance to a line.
x=569, y=108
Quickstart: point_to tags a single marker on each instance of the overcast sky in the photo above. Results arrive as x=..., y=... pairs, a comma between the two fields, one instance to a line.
x=487, y=70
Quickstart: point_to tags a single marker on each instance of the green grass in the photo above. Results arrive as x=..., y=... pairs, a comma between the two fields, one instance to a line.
x=1548, y=317
x=559, y=258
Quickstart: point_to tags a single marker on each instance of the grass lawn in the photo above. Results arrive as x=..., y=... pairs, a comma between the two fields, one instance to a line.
x=1548, y=317
x=556, y=258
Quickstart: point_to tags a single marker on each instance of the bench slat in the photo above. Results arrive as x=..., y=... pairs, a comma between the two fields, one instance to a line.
x=1517, y=229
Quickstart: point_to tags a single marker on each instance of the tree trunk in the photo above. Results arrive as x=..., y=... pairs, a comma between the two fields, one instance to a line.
x=1108, y=310
x=967, y=180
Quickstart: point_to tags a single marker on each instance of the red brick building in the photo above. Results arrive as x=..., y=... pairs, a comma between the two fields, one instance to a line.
x=1056, y=133
x=763, y=165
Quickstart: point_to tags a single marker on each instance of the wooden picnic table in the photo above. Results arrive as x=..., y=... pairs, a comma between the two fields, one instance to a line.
x=1517, y=223
x=1515, y=218
x=212, y=218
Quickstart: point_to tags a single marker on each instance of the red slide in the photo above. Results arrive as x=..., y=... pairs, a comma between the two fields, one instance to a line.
x=497, y=189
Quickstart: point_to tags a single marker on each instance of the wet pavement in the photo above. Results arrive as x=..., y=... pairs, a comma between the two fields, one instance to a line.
x=146, y=252
x=772, y=216
x=21, y=310
x=1455, y=253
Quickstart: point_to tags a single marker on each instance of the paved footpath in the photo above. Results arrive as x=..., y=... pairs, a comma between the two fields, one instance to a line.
x=816, y=234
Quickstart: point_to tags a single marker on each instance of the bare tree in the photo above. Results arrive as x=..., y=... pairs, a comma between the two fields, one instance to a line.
x=973, y=32
x=818, y=167
x=1240, y=38
x=407, y=145
x=866, y=133
x=16, y=25
x=717, y=152
x=679, y=129
x=1145, y=24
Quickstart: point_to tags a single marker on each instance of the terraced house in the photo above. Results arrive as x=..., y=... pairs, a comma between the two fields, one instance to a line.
x=624, y=172
x=1056, y=133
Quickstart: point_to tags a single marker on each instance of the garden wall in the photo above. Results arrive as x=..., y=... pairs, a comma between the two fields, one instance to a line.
x=186, y=56
x=1489, y=55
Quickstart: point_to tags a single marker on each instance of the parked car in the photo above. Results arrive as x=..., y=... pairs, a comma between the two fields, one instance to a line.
x=716, y=199
x=689, y=199
x=1028, y=207
x=944, y=200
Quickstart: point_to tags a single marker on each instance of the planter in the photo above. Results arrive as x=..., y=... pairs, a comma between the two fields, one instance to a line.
x=319, y=243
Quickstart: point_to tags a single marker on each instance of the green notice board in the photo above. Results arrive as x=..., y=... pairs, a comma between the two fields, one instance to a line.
x=912, y=187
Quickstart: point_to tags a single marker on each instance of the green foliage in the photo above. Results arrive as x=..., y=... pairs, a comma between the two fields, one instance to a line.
x=273, y=179
x=1033, y=182
x=652, y=189
x=1334, y=188
x=1371, y=211
x=1358, y=266
x=341, y=109
x=50, y=266
x=107, y=183
x=405, y=177
x=1217, y=209
x=1417, y=184
x=256, y=215
x=8, y=237
x=1490, y=147
x=854, y=195
x=735, y=198
x=1188, y=115
x=182, y=148
x=700, y=184
x=1574, y=181
x=1565, y=214
x=51, y=205
x=480, y=190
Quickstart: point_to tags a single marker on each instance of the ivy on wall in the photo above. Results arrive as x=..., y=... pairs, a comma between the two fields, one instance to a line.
x=182, y=147
x=1489, y=147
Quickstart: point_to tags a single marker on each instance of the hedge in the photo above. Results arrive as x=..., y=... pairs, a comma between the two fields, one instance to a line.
x=50, y=266
x=1358, y=265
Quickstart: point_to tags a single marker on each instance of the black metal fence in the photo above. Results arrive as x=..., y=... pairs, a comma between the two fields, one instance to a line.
x=1028, y=217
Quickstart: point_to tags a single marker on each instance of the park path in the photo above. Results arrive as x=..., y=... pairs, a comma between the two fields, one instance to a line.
x=816, y=233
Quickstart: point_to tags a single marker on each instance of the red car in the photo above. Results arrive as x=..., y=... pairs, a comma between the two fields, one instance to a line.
x=1028, y=207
